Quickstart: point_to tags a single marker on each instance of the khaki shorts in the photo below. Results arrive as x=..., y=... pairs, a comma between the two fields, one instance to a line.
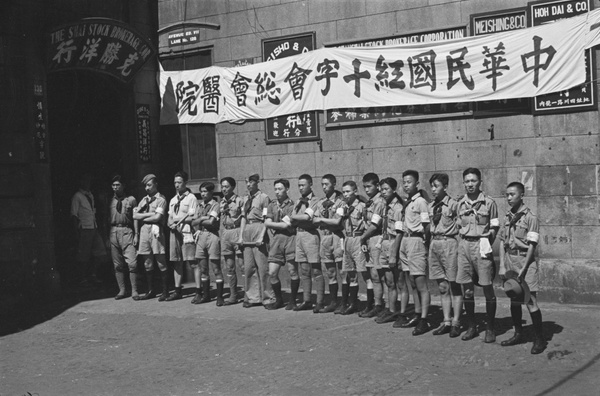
x=443, y=255
x=208, y=246
x=413, y=255
x=470, y=260
x=332, y=249
x=384, y=255
x=282, y=249
x=307, y=247
x=122, y=250
x=229, y=239
x=354, y=258
x=149, y=243
x=374, y=252
x=516, y=263
x=179, y=251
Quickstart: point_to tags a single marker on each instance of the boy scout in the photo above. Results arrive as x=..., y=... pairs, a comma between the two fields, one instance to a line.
x=370, y=242
x=150, y=213
x=122, y=237
x=307, y=245
x=208, y=247
x=390, y=244
x=230, y=208
x=413, y=248
x=331, y=234
x=354, y=258
x=520, y=236
x=182, y=209
x=478, y=221
x=282, y=247
x=253, y=238
x=443, y=213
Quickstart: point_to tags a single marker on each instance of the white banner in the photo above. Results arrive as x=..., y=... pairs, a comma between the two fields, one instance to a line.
x=516, y=64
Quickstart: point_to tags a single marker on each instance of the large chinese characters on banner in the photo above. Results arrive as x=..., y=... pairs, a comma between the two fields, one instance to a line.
x=99, y=44
x=515, y=64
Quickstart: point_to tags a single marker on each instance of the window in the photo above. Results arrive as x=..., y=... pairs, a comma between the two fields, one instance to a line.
x=198, y=141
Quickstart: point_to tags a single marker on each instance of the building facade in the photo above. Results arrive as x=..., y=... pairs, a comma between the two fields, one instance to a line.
x=549, y=144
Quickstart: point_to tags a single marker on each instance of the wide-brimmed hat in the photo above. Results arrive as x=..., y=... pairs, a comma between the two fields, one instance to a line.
x=518, y=291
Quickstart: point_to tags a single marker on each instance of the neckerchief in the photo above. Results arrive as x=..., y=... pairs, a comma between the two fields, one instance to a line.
x=146, y=205
x=179, y=199
x=225, y=204
x=437, y=211
x=119, y=203
x=303, y=201
x=248, y=204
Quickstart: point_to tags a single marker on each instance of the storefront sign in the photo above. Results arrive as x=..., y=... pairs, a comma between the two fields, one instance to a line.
x=496, y=22
x=99, y=44
x=581, y=97
x=40, y=126
x=184, y=37
x=143, y=132
x=369, y=115
x=515, y=64
x=295, y=127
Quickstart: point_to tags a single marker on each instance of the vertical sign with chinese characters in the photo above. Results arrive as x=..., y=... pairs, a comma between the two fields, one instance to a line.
x=40, y=127
x=142, y=112
x=292, y=127
x=579, y=98
x=496, y=22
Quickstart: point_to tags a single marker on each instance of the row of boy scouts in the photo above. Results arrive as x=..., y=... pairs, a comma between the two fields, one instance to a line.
x=386, y=239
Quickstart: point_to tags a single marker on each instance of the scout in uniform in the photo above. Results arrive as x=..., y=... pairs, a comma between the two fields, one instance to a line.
x=370, y=242
x=520, y=236
x=282, y=244
x=90, y=247
x=151, y=214
x=390, y=244
x=443, y=250
x=182, y=248
x=253, y=238
x=413, y=248
x=478, y=222
x=122, y=238
x=230, y=208
x=329, y=222
x=353, y=260
x=307, y=245
x=208, y=247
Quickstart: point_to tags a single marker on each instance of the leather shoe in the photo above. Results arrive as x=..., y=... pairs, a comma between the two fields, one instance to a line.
x=197, y=298
x=340, y=308
x=372, y=313
x=422, y=327
x=490, y=336
x=229, y=301
x=412, y=321
x=330, y=308
x=318, y=308
x=174, y=296
x=401, y=321
x=163, y=297
x=274, y=305
x=539, y=345
x=350, y=309
x=443, y=329
x=305, y=306
x=470, y=333
x=220, y=301
x=454, y=331
x=291, y=306
x=368, y=308
x=247, y=304
x=120, y=296
x=387, y=317
x=136, y=297
x=514, y=340
x=149, y=295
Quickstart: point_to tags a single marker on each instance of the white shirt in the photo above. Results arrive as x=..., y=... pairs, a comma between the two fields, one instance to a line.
x=83, y=210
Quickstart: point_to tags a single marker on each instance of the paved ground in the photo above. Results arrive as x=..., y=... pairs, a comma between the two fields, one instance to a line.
x=100, y=346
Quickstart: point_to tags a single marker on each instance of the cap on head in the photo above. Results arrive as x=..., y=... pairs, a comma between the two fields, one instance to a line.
x=148, y=177
x=255, y=177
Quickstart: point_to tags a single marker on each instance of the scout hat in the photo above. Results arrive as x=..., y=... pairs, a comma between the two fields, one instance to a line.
x=518, y=291
x=148, y=177
x=255, y=177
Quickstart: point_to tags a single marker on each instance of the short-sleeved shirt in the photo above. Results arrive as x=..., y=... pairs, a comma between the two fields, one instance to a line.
x=392, y=220
x=416, y=214
x=83, y=207
x=309, y=208
x=208, y=209
x=125, y=217
x=279, y=211
x=156, y=204
x=257, y=208
x=374, y=211
x=187, y=206
x=477, y=218
x=327, y=207
x=354, y=218
x=447, y=210
x=231, y=211
x=524, y=231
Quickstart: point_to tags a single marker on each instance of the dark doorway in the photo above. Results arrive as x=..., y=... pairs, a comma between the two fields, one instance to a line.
x=85, y=120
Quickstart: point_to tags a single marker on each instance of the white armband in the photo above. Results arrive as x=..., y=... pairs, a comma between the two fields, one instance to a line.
x=424, y=217
x=340, y=211
x=214, y=214
x=287, y=220
x=310, y=212
x=264, y=212
x=160, y=211
x=398, y=226
x=533, y=236
x=375, y=219
x=494, y=223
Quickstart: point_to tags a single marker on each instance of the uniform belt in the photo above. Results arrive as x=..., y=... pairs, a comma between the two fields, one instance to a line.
x=312, y=230
x=516, y=252
x=413, y=234
x=327, y=231
x=212, y=230
x=230, y=226
x=254, y=221
x=286, y=233
x=443, y=237
x=354, y=234
x=470, y=238
x=121, y=225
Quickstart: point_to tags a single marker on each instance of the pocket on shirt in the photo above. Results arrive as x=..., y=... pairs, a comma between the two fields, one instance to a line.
x=483, y=217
